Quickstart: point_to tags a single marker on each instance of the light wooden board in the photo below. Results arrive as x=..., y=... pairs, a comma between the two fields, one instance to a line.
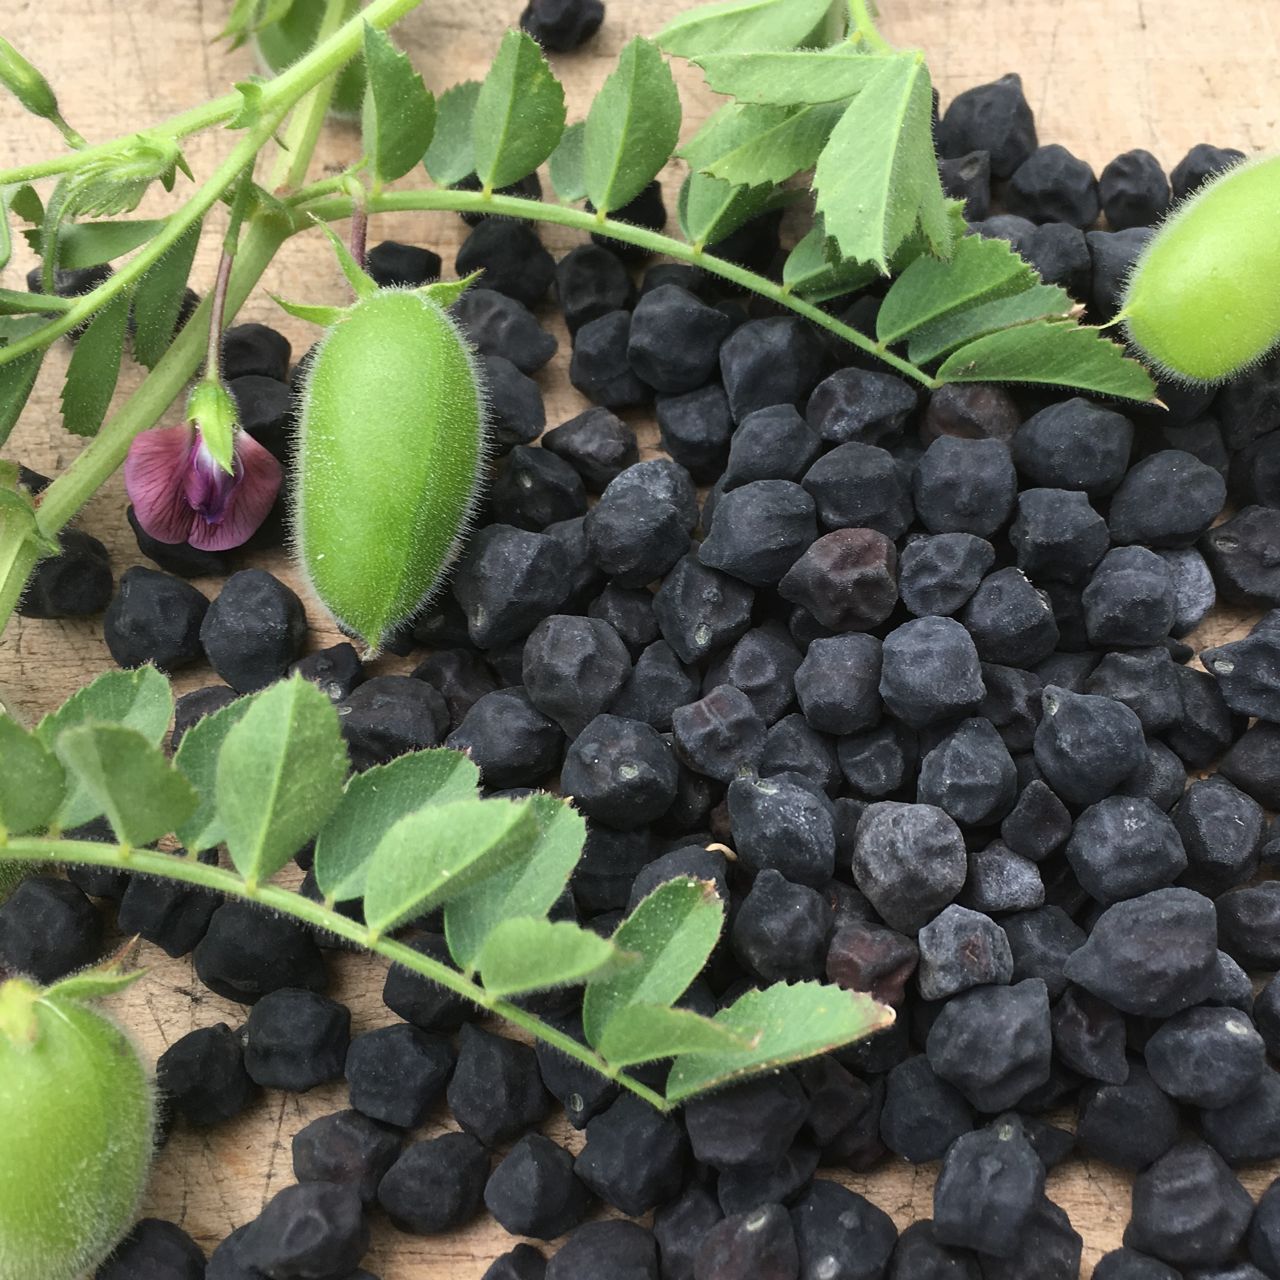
x=1102, y=75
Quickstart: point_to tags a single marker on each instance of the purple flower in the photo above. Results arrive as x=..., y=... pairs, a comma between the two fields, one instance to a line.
x=182, y=493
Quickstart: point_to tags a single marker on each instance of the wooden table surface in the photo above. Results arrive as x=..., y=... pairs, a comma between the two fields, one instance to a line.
x=1102, y=75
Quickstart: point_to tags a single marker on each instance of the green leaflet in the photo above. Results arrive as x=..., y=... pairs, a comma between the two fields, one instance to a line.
x=1040, y=302
x=930, y=289
x=32, y=783
x=106, y=979
x=673, y=931
x=279, y=776
x=773, y=155
x=140, y=699
x=783, y=1023
x=742, y=25
x=18, y=302
x=158, y=298
x=376, y=800
x=128, y=779
x=646, y=1032
x=708, y=209
x=519, y=113
x=431, y=856
x=89, y=244
x=790, y=78
x=632, y=127
x=529, y=887
x=524, y=955
x=197, y=761
x=399, y=114
x=1052, y=354
x=16, y=382
x=451, y=157
x=568, y=164
x=811, y=272
x=877, y=179
x=95, y=369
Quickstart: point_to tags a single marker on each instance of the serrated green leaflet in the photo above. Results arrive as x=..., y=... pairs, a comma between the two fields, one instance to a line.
x=1040, y=302
x=783, y=1023
x=774, y=154
x=140, y=699
x=94, y=984
x=431, y=856
x=529, y=887
x=26, y=203
x=95, y=369
x=727, y=128
x=128, y=779
x=519, y=113
x=790, y=78
x=673, y=930
x=279, y=776
x=929, y=289
x=708, y=209
x=373, y=802
x=646, y=1032
x=877, y=180
x=158, y=298
x=568, y=165
x=742, y=25
x=450, y=157
x=197, y=761
x=90, y=244
x=632, y=127
x=524, y=955
x=16, y=382
x=1049, y=353
x=31, y=780
x=399, y=113
x=811, y=273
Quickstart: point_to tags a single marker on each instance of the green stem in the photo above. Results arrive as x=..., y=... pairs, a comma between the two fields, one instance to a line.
x=277, y=94
x=334, y=208
x=864, y=26
x=190, y=871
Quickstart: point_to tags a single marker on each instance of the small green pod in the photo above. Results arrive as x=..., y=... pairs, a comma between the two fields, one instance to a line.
x=76, y=1134
x=1203, y=301
x=390, y=447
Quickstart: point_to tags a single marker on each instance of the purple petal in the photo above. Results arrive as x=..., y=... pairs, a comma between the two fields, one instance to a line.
x=245, y=505
x=207, y=486
x=154, y=476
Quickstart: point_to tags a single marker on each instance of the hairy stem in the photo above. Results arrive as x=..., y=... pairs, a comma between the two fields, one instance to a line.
x=864, y=26
x=334, y=208
x=190, y=871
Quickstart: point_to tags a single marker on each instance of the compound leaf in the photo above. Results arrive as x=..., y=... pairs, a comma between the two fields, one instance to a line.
x=530, y=887
x=451, y=157
x=646, y=1032
x=95, y=369
x=143, y=796
x=438, y=852
x=877, y=179
x=399, y=113
x=32, y=782
x=280, y=774
x=525, y=954
x=673, y=931
x=783, y=1023
x=742, y=25
x=519, y=113
x=373, y=802
x=632, y=127
x=1050, y=353
x=158, y=299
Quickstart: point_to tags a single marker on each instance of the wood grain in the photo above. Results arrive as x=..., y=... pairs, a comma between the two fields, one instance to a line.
x=1103, y=76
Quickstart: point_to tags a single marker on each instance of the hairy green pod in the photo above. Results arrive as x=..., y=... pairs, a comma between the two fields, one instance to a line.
x=1203, y=301
x=76, y=1134
x=391, y=441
